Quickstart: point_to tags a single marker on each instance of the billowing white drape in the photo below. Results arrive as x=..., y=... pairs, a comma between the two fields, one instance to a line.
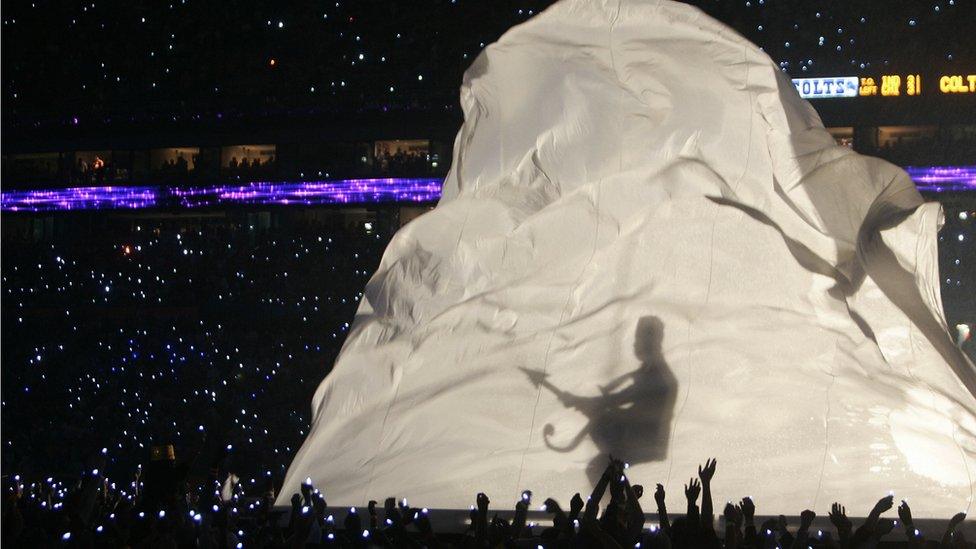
x=649, y=246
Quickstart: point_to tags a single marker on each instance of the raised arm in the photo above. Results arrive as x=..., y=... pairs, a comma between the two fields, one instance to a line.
x=692, y=489
x=662, y=510
x=707, y=513
x=575, y=507
x=866, y=530
x=803, y=534
x=950, y=532
x=481, y=523
x=521, y=511
x=635, y=514
x=733, y=522
x=838, y=517
x=914, y=536
x=593, y=505
x=749, y=520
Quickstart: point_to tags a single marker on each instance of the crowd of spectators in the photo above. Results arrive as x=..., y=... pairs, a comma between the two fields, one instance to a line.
x=157, y=332
x=250, y=167
x=98, y=172
x=163, y=507
x=403, y=162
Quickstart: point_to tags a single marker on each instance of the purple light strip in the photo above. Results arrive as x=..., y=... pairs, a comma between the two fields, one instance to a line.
x=311, y=193
x=939, y=179
x=305, y=193
x=933, y=179
x=80, y=198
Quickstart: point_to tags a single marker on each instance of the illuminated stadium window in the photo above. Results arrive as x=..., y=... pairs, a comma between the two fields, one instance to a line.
x=174, y=159
x=92, y=158
x=243, y=157
x=398, y=154
x=895, y=136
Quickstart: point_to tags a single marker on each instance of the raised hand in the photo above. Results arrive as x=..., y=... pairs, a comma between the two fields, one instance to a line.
x=956, y=520
x=391, y=511
x=905, y=514
x=662, y=510
x=806, y=519
x=319, y=504
x=748, y=508
x=706, y=473
x=659, y=495
x=950, y=533
x=616, y=466
x=481, y=522
x=838, y=517
x=733, y=514
x=692, y=489
x=404, y=508
x=551, y=506
x=483, y=502
x=883, y=505
x=576, y=504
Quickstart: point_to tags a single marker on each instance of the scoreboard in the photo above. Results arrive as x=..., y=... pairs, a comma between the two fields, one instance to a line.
x=885, y=85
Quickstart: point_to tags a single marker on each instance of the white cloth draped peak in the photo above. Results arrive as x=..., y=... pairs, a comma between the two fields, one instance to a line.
x=649, y=246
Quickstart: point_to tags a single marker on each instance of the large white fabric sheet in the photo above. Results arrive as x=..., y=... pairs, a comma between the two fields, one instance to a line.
x=648, y=245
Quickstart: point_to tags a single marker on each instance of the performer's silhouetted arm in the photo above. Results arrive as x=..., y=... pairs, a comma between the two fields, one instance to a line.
x=539, y=379
x=616, y=382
